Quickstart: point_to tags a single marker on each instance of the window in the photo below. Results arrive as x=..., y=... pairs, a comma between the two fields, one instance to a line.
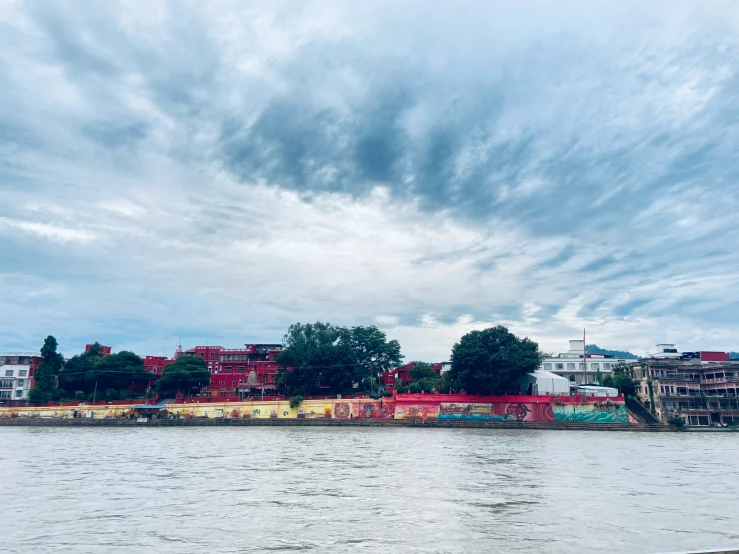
x=594, y=366
x=607, y=365
x=560, y=366
x=6, y=394
x=242, y=368
x=22, y=372
x=6, y=384
x=570, y=366
x=8, y=372
x=580, y=366
x=547, y=366
x=21, y=382
x=572, y=378
x=18, y=393
x=202, y=354
x=223, y=382
x=212, y=354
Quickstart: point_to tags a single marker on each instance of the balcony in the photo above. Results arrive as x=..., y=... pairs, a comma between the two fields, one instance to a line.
x=681, y=378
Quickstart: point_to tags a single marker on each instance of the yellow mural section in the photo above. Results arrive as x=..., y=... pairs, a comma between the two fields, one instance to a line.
x=308, y=409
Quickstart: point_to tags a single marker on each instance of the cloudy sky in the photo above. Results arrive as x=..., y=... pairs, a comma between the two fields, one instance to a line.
x=215, y=171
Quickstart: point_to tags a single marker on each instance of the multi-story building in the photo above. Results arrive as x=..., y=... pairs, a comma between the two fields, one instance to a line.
x=244, y=372
x=580, y=369
x=16, y=375
x=700, y=387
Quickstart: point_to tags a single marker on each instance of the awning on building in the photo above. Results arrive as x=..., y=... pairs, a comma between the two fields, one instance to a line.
x=159, y=406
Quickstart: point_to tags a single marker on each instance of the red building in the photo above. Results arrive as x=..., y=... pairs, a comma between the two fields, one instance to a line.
x=156, y=364
x=244, y=372
x=104, y=350
x=402, y=374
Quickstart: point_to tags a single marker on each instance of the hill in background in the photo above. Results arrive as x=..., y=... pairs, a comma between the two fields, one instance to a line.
x=595, y=349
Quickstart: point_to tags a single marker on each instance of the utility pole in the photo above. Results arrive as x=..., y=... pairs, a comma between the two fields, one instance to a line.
x=584, y=358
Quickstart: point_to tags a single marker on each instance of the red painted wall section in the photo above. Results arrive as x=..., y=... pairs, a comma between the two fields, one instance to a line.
x=714, y=356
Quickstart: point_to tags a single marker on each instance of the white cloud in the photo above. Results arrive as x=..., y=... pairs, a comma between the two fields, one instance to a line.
x=550, y=169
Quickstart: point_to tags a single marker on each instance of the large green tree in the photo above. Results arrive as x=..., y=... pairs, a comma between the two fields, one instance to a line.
x=187, y=374
x=492, y=361
x=88, y=372
x=423, y=379
x=374, y=353
x=320, y=358
x=45, y=377
x=315, y=361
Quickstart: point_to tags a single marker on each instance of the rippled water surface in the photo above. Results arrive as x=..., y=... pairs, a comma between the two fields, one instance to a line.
x=374, y=490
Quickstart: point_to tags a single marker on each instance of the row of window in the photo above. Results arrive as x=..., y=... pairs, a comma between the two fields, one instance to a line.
x=21, y=372
x=9, y=394
x=595, y=366
x=8, y=383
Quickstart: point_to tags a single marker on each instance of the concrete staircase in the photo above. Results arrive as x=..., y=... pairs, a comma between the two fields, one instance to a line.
x=640, y=412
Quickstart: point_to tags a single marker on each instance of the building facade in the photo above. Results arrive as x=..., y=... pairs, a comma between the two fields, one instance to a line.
x=243, y=372
x=16, y=375
x=580, y=369
x=700, y=387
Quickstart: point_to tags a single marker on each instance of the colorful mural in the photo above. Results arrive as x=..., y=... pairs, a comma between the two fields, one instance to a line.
x=410, y=406
x=495, y=411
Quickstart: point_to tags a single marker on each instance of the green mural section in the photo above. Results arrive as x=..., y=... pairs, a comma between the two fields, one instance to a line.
x=591, y=414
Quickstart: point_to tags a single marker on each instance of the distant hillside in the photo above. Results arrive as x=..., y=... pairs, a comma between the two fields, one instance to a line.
x=595, y=349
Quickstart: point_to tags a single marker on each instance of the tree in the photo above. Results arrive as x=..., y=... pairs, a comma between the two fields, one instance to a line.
x=46, y=374
x=91, y=370
x=77, y=370
x=316, y=360
x=492, y=361
x=422, y=377
x=619, y=381
x=373, y=352
x=185, y=374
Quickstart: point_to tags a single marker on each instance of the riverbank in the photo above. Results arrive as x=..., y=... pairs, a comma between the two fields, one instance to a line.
x=328, y=422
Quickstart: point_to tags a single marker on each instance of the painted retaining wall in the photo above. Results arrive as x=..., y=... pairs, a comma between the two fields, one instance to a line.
x=402, y=406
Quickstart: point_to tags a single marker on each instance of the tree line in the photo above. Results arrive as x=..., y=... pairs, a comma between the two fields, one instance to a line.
x=317, y=359
x=91, y=376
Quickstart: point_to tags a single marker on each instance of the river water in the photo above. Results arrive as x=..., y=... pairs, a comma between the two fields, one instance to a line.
x=260, y=489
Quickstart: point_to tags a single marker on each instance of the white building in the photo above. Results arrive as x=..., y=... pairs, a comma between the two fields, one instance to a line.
x=579, y=370
x=665, y=350
x=16, y=369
